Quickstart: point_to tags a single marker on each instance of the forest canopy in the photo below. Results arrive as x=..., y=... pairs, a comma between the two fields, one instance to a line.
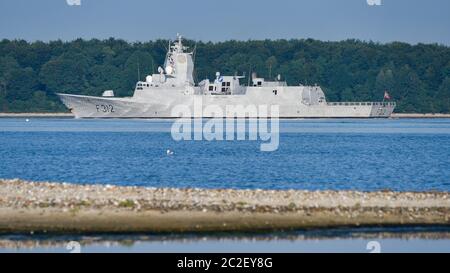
x=416, y=76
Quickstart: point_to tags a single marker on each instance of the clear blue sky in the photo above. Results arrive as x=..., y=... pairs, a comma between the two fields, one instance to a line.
x=412, y=21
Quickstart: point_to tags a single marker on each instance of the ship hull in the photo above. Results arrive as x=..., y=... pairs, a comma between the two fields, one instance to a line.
x=106, y=107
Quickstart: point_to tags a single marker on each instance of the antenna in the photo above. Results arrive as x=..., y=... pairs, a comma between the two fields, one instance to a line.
x=194, y=52
x=249, y=73
x=138, y=69
x=168, y=48
x=167, y=54
x=179, y=40
x=195, y=76
x=270, y=71
x=153, y=66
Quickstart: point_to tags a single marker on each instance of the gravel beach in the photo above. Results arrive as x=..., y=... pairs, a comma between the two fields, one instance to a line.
x=34, y=207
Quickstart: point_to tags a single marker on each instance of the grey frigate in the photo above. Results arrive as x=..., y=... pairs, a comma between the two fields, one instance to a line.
x=174, y=85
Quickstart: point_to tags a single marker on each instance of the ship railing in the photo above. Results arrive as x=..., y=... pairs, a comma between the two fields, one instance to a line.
x=387, y=103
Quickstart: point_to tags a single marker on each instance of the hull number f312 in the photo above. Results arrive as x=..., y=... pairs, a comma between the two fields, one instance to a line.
x=105, y=108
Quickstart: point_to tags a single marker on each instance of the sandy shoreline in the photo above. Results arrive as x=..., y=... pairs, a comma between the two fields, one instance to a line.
x=416, y=115
x=36, y=115
x=68, y=208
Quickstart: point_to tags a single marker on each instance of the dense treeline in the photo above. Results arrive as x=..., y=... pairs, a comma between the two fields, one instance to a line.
x=417, y=77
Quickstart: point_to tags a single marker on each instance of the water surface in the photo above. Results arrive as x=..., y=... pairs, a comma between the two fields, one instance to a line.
x=372, y=154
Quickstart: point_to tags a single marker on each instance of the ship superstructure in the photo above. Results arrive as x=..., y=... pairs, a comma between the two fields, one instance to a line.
x=174, y=85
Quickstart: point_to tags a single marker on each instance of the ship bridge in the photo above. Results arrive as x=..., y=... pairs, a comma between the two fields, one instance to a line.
x=222, y=85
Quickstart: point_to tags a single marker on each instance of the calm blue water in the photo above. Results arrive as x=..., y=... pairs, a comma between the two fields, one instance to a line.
x=393, y=154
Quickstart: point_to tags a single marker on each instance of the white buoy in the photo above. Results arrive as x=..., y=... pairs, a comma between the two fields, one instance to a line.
x=27, y=120
x=169, y=152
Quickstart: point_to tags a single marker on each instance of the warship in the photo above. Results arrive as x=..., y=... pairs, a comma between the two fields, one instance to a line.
x=174, y=85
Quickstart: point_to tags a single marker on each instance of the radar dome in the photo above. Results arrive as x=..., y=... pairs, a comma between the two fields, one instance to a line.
x=169, y=70
x=149, y=79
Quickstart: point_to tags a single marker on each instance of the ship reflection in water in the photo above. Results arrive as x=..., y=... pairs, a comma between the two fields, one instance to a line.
x=362, y=240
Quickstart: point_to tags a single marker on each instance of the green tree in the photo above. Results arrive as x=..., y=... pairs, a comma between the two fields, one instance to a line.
x=66, y=74
x=410, y=91
x=443, y=97
x=416, y=76
x=21, y=84
x=384, y=82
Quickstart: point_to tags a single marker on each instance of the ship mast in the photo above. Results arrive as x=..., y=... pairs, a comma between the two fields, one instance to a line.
x=180, y=49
